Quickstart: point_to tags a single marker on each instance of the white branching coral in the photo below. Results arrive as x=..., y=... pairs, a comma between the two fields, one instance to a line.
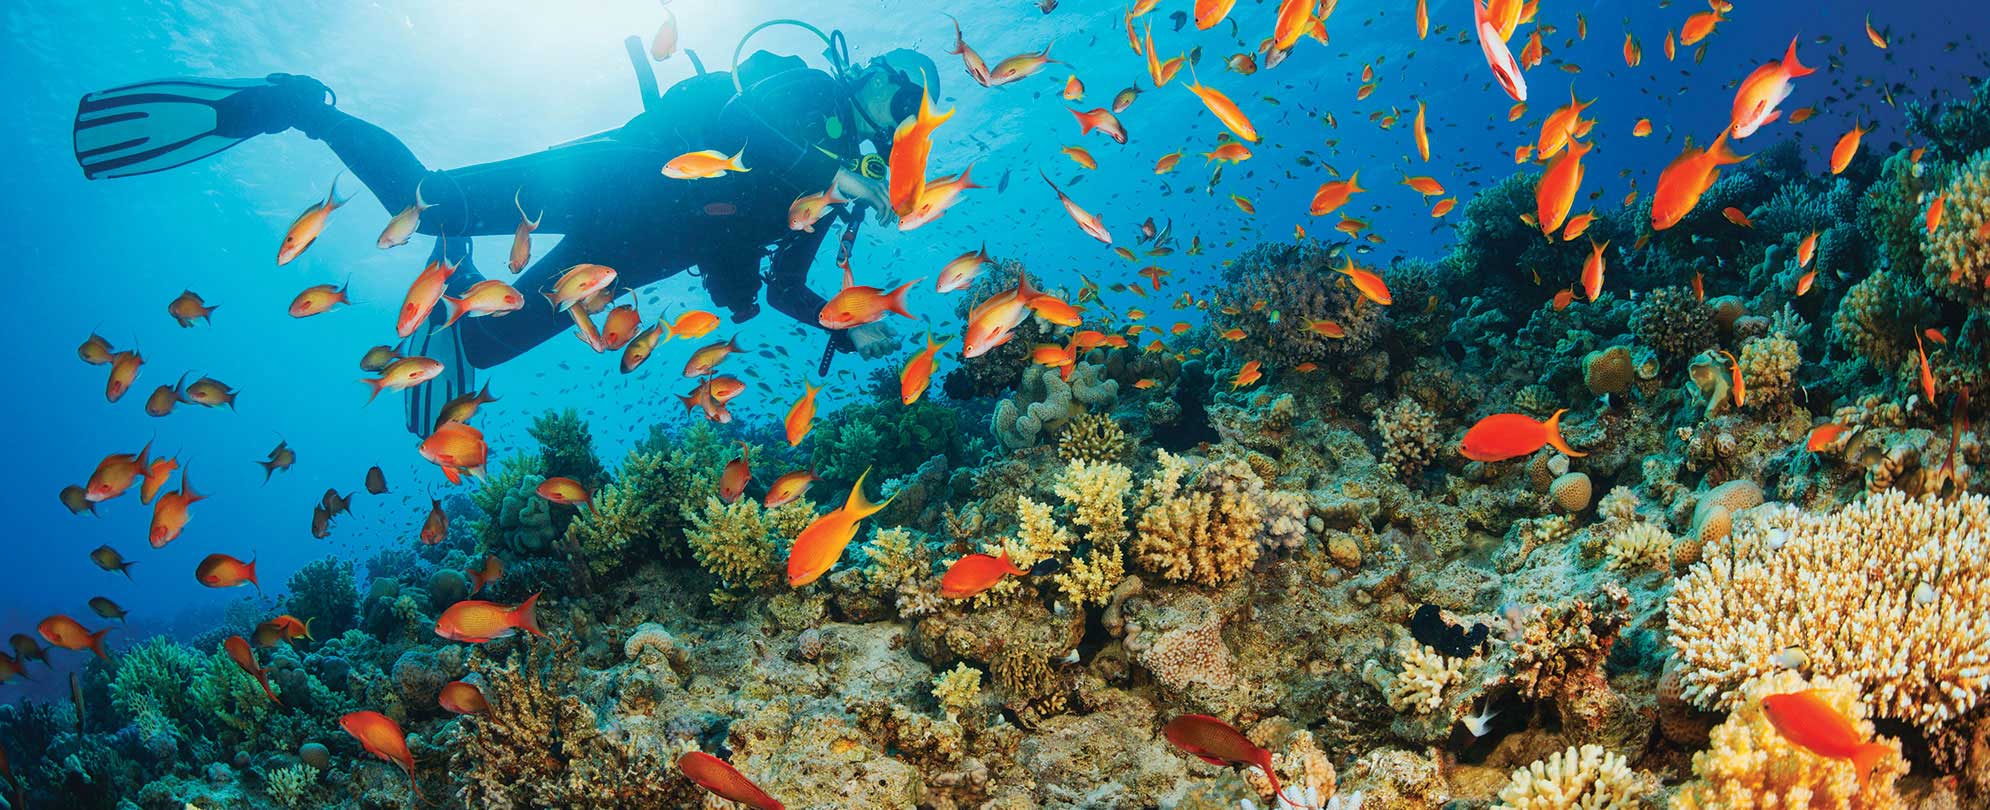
x=1586, y=778
x=1890, y=592
x=1419, y=687
x=1639, y=546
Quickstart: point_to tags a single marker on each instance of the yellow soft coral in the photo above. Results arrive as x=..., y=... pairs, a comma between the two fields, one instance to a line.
x=1749, y=764
x=1096, y=492
x=1890, y=592
x=1586, y=778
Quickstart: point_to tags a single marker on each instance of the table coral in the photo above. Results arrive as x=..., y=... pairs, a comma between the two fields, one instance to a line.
x=1586, y=778
x=1889, y=592
x=1750, y=764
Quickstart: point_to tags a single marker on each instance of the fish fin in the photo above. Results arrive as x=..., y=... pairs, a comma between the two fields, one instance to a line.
x=451, y=475
x=861, y=506
x=97, y=642
x=376, y=385
x=1554, y=430
x=307, y=628
x=895, y=300
x=1791, y=66
x=526, y=617
x=1865, y=758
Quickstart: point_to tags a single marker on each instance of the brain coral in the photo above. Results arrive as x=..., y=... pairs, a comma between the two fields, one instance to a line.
x=1749, y=764
x=1044, y=403
x=1889, y=592
x=1958, y=265
x=1586, y=778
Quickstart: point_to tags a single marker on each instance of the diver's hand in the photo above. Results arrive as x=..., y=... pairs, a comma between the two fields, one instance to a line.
x=873, y=340
x=858, y=188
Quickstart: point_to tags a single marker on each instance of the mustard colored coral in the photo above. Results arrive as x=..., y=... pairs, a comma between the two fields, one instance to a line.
x=1748, y=763
x=1890, y=592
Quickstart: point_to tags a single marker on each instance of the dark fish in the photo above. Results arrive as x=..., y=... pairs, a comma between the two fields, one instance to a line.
x=1429, y=628
x=334, y=504
x=106, y=608
x=1179, y=18
x=376, y=481
x=321, y=523
x=28, y=649
x=108, y=559
x=1004, y=184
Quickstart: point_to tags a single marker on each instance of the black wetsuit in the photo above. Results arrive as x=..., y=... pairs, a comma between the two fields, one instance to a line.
x=607, y=196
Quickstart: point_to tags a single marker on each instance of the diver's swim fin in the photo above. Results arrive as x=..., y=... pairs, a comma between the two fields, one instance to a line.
x=158, y=125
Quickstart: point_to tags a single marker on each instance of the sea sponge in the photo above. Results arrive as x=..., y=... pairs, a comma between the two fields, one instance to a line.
x=1889, y=592
x=649, y=639
x=1714, y=380
x=1410, y=438
x=1674, y=322
x=1419, y=687
x=1958, y=265
x=957, y=690
x=1045, y=402
x=1608, y=371
x=1586, y=778
x=1750, y=764
x=1639, y=545
x=1093, y=437
x=1570, y=492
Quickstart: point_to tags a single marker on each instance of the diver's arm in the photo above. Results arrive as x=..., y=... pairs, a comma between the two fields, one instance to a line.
x=787, y=282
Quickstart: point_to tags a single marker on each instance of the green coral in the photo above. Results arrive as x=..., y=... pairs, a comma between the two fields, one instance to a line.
x=887, y=437
x=635, y=514
x=739, y=542
x=291, y=786
x=150, y=686
x=566, y=448
x=516, y=520
x=322, y=592
x=231, y=701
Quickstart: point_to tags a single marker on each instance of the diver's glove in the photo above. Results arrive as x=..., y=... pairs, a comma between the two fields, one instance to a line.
x=873, y=340
x=858, y=188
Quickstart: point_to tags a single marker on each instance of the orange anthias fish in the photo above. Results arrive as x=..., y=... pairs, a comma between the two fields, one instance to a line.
x=977, y=68
x=1846, y=148
x=1823, y=435
x=156, y=475
x=1927, y=376
x=1167, y=162
x=1633, y=52
x=1427, y=186
x=1577, y=225
x=1493, y=43
x=736, y=474
x=492, y=571
x=971, y=575
x=1230, y=152
x=1561, y=126
x=477, y=622
x=170, y=513
x=457, y=448
x=1087, y=221
x=1807, y=249
x=1333, y=194
x=693, y=325
x=1510, y=435
x=789, y=487
x=423, y=293
x=318, y=299
x=1102, y=120
x=941, y=194
x=223, y=571
x=65, y=632
x=189, y=307
x=1294, y=17
x=458, y=697
x=1217, y=743
x=704, y=164
x=487, y=298
x=821, y=544
x=124, y=372
x=282, y=628
x=579, y=283
x=962, y=270
x=1210, y=12
x=1740, y=390
x=1698, y=26
x=238, y=651
x=855, y=305
x=918, y=372
x=521, y=239
x=1804, y=283
x=1809, y=722
x=1935, y=211
x=1755, y=101
x=1418, y=130
x=1224, y=109
x=1592, y=270
x=724, y=781
x=1249, y=374
x=993, y=322
x=1688, y=177
x=1555, y=194
x=380, y=736
x=403, y=226
x=641, y=347
x=305, y=229
x=1367, y=283
x=708, y=357
x=1019, y=67
x=810, y=208
x=115, y=474
x=563, y=490
x=911, y=146
x=801, y=416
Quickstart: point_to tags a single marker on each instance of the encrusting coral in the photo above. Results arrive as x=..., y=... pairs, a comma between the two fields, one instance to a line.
x=1749, y=763
x=1889, y=592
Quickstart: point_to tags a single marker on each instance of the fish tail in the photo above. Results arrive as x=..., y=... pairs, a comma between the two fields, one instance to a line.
x=895, y=300
x=1354, y=182
x=861, y=506
x=1867, y=757
x=1721, y=153
x=376, y=385
x=307, y=628
x=1554, y=430
x=1791, y=67
x=526, y=617
x=125, y=569
x=455, y=309
x=97, y=642
x=262, y=678
x=269, y=467
x=734, y=163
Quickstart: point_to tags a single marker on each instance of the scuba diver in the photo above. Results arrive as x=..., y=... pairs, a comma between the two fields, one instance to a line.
x=799, y=128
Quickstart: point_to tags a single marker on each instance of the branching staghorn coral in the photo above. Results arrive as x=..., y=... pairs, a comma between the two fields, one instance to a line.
x=739, y=541
x=1586, y=778
x=1889, y=592
x=631, y=511
x=1419, y=688
x=1638, y=546
x=1199, y=536
x=957, y=690
x=1750, y=764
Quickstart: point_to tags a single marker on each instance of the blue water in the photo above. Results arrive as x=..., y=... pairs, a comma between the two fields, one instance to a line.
x=464, y=82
